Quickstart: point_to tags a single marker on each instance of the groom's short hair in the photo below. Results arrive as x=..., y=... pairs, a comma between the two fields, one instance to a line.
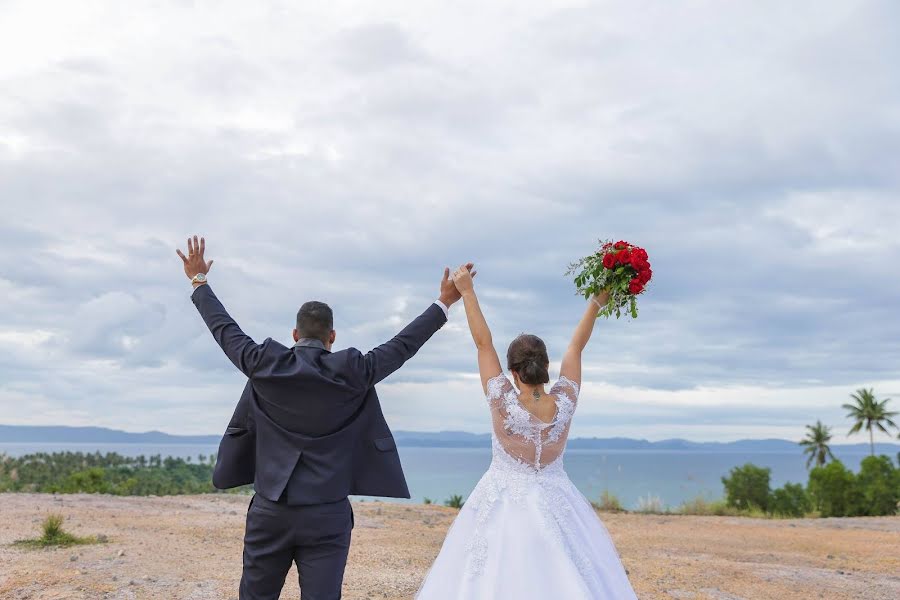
x=315, y=320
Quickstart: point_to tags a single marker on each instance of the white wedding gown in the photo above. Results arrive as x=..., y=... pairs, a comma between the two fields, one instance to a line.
x=526, y=531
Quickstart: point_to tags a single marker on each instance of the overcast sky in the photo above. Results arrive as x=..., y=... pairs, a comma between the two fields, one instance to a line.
x=347, y=152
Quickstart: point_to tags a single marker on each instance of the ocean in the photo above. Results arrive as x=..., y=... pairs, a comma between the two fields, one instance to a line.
x=437, y=473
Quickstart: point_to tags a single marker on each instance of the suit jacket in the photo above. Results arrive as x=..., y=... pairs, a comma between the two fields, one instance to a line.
x=308, y=428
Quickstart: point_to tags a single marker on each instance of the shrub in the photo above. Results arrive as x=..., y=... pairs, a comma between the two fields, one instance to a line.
x=89, y=481
x=608, y=502
x=790, y=501
x=52, y=534
x=52, y=527
x=427, y=501
x=747, y=487
x=879, y=485
x=834, y=491
x=455, y=501
x=702, y=506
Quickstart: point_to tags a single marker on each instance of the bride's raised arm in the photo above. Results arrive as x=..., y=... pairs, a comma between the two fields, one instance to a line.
x=571, y=362
x=488, y=361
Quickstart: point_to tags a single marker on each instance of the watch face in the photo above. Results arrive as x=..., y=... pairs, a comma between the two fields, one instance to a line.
x=200, y=277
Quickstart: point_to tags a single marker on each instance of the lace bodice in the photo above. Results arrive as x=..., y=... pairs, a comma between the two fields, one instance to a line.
x=523, y=436
x=527, y=463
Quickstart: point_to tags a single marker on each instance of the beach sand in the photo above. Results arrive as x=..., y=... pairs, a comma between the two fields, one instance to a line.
x=190, y=547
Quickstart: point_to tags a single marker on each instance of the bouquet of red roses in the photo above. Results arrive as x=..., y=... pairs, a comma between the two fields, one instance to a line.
x=621, y=268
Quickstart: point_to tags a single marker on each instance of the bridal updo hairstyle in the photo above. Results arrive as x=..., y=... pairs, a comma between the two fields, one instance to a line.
x=527, y=356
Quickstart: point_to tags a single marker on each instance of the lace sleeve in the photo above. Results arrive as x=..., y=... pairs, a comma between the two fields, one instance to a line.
x=497, y=388
x=567, y=387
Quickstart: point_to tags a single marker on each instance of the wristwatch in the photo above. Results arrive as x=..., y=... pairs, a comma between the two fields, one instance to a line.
x=199, y=278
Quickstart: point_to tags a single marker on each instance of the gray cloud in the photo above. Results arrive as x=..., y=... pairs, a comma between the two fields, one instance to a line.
x=349, y=157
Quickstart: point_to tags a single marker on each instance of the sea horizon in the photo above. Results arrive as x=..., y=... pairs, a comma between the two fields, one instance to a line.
x=674, y=475
x=68, y=434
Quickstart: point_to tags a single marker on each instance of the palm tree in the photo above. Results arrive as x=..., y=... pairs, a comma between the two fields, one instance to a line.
x=868, y=412
x=816, y=444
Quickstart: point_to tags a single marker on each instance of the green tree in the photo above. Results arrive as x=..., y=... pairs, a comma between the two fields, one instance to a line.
x=834, y=490
x=89, y=481
x=816, y=444
x=748, y=487
x=879, y=484
x=868, y=413
x=790, y=501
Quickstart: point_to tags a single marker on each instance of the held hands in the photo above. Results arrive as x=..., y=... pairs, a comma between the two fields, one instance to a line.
x=462, y=279
x=450, y=291
x=194, y=263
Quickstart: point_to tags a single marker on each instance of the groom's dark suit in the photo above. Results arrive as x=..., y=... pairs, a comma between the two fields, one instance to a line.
x=308, y=431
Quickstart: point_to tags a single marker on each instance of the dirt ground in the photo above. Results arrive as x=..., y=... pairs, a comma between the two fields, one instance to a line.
x=189, y=547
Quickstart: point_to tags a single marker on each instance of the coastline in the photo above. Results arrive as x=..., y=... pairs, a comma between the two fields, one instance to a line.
x=190, y=547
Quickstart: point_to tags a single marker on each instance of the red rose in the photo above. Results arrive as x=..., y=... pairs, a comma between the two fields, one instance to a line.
x=645, y=275
x=639, y=252
x=609, y=261
x=623, y=257
x=635, y=286
x=621, y=245
x=638, y=262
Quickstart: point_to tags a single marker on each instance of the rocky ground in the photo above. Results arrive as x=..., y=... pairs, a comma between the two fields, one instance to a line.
x=189, y=547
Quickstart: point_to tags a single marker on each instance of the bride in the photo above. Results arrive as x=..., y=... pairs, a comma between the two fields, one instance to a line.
x=526, y=531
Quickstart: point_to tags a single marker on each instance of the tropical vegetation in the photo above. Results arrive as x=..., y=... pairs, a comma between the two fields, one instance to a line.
x=111, y=473
x=816, y=444
x=832, y=490
x=869, y=414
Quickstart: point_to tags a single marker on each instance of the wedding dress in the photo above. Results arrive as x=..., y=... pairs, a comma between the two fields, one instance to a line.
x=526, y=531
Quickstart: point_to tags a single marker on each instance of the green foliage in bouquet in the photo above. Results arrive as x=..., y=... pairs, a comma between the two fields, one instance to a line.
x=620, y=268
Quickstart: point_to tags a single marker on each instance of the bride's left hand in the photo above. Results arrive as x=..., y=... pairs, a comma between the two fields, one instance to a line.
x=462, y=279
x=602, y=298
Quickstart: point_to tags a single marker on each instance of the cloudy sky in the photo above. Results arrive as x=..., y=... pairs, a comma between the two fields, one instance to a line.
x=347, y=152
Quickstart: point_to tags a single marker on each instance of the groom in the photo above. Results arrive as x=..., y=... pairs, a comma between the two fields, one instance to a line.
x=307, y=432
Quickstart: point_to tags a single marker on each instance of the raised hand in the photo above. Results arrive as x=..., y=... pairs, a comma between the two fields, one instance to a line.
x=462, y=279
x=449, y=291
x=194, y=262
x=601, y=299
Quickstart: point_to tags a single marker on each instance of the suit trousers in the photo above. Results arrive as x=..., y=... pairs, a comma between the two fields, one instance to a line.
x=316, y=537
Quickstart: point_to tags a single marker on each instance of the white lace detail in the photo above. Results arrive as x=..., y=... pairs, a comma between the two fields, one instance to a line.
x=520, y=443
x=523, y=435
x=563, y=380
x=526, y=513
x=495, y=388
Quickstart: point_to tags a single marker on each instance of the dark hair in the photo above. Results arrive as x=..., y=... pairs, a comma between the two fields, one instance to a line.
x=527, y=356
x=315, y=320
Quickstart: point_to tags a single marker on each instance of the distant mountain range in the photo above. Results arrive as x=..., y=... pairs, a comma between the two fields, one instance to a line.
x=28, y=434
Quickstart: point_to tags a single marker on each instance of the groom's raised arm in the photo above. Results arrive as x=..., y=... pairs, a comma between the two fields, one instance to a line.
x=383, y=360
x=238, y=346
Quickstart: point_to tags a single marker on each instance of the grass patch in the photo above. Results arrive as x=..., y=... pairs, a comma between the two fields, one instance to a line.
x=719, y=508
x=454, y=501
x=608, y=502
x=54, y=536
x=651, y=505
x=703, y=507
